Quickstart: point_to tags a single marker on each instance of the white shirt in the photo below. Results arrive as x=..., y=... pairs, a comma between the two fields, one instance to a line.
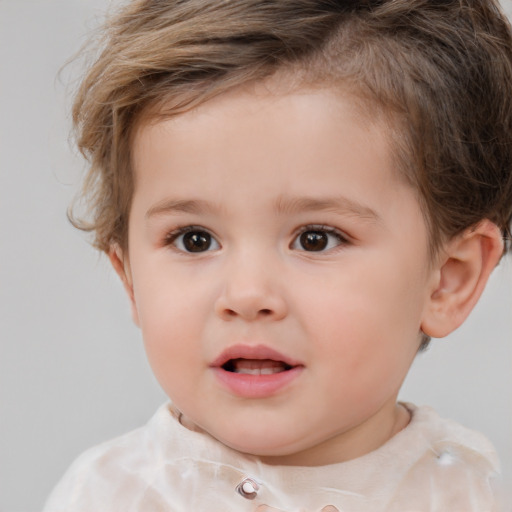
x=433, y=465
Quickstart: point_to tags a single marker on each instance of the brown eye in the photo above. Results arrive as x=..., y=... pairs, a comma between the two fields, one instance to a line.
x=197, y=241
x=190, y=240
x=317, y=238
x=314, y=240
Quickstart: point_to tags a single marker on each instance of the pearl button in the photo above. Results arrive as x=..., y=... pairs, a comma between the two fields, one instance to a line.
x=248, y=488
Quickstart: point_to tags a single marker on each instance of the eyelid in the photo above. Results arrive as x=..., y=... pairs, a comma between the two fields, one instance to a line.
x=342, y=237
x=171, y=237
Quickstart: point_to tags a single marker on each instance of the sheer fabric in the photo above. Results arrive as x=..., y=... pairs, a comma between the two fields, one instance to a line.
x=433, y=465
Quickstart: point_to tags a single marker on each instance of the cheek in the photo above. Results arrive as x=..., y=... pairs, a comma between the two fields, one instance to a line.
x=168, y=318
x=366, y=316
x=172, y=338
x=165, y=295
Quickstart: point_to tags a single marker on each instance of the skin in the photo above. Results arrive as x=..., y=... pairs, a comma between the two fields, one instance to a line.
x=255, y=169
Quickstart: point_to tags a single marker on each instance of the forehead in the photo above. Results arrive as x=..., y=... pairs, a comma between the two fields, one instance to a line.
x=262, y=126
x=345, y=98
x=293, y=105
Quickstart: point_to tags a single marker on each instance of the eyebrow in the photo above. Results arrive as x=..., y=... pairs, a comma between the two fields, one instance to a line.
x=283, y=205
x=335, y=204
x=171, y=206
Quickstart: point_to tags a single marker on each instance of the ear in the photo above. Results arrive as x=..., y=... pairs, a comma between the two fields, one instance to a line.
x=460, y=277
x=122, y=267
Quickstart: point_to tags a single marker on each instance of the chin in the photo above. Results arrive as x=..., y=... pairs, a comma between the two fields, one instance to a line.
x=261, y=444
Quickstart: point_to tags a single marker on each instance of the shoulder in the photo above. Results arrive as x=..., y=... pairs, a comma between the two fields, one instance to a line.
x=453, y=468
x=103, y=473
x=449, y=440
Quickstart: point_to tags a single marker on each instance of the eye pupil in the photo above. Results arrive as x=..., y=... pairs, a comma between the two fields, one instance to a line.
x=314, y=240
x=197, y=241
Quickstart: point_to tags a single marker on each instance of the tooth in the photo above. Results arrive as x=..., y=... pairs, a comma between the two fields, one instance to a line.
x=248, y=371
x=256, y=367
x=258, y=371
x=270, y=371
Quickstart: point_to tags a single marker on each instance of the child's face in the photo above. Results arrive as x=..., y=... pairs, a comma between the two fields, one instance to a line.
x=271, y=232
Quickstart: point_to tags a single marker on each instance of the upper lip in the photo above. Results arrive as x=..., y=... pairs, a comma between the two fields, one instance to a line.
x=255, y=352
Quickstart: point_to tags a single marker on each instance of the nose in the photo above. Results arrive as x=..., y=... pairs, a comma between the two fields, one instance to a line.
x=251, y=291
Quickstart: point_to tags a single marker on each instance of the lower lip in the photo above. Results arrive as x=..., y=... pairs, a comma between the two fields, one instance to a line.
x=256, y=386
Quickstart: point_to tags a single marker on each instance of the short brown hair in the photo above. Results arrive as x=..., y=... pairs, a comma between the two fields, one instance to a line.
x=442, y=70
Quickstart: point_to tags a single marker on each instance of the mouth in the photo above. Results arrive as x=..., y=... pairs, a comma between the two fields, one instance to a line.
x=254, y=360
x=255, y=371
x=255, y=366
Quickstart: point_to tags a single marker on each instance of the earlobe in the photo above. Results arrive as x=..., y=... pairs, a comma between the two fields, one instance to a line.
x=122, y=268
x=462, y=273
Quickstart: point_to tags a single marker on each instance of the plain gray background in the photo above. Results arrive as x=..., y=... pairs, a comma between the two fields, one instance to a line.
x=72, y=367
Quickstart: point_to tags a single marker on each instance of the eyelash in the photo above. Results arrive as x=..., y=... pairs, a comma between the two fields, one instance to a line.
x=341, y=239
x=172, y=237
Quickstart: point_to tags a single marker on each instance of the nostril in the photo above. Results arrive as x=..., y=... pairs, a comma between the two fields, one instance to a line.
x=265, y=312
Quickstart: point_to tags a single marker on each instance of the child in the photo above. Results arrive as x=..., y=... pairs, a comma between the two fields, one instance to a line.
x=296, y=195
